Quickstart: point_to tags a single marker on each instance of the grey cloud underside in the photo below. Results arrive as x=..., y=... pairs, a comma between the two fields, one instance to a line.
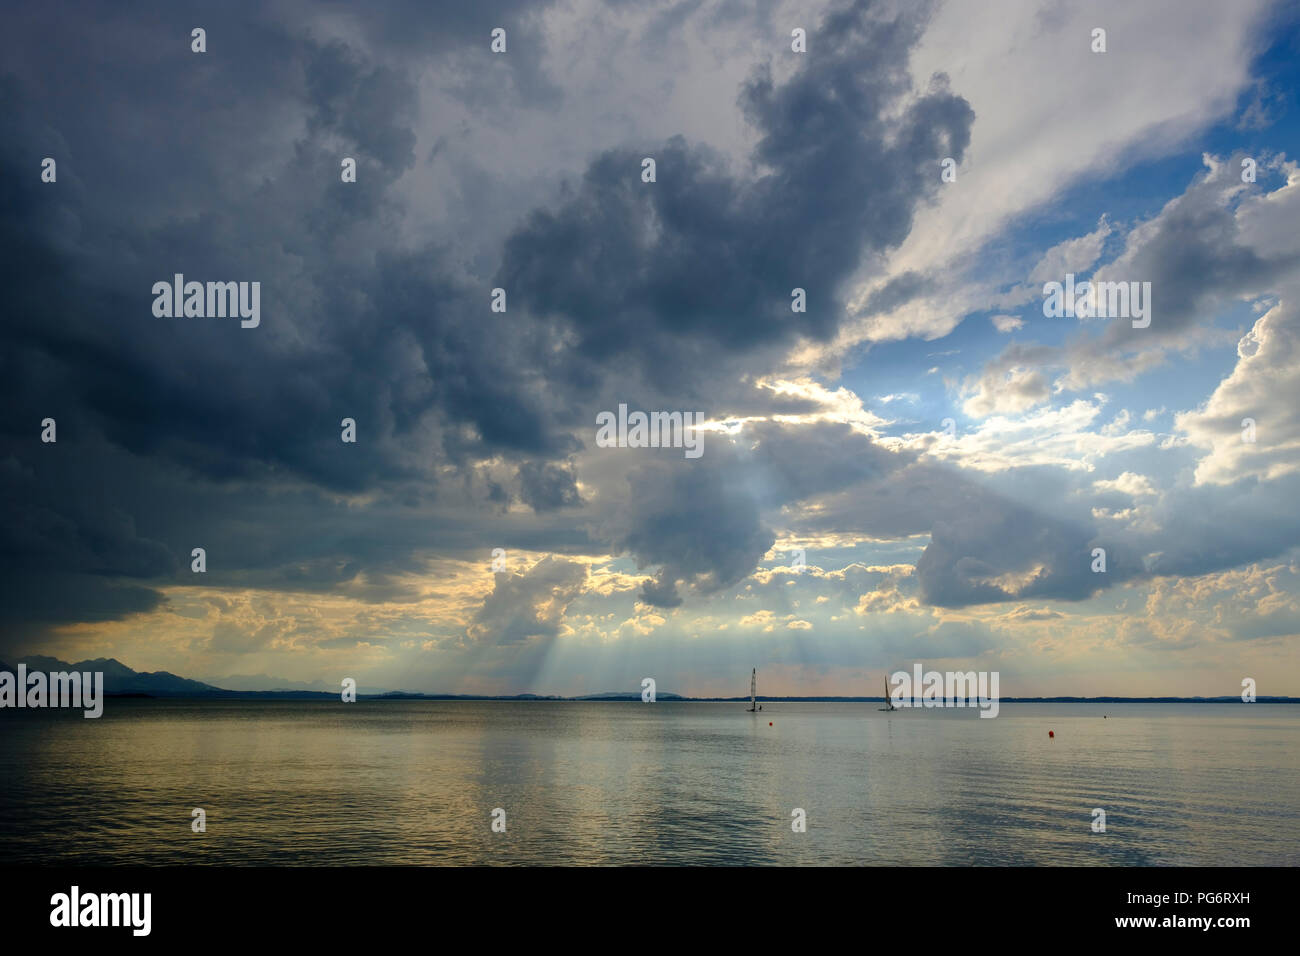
x=546, y=486
x=707, y=524
x=647, y=272
x=176, y=433
x=1194, y=259
x=698, y=524
x=1194, y=256
x=225, y=168
x=976, y=534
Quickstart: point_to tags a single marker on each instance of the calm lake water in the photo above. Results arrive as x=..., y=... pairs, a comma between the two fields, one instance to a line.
x=415, y=782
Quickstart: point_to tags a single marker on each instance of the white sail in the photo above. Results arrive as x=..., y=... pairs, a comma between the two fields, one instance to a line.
x=753, y=688
x=889, y=703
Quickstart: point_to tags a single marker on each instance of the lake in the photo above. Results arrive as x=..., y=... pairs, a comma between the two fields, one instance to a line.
x=416, y=782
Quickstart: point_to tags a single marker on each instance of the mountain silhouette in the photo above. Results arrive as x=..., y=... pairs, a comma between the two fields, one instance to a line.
x=120, y=679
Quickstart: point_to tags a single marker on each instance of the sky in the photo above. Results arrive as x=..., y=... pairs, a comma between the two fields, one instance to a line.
x=921, y=466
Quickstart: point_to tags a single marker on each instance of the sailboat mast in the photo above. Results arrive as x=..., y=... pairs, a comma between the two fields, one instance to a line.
x=889, y=703
x=753, y=687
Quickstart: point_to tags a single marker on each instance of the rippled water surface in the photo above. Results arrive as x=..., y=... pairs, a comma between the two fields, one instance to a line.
x=415, y=782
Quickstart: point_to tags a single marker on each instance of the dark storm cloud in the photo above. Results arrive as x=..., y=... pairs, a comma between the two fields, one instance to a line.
x=38, y=598
x=696, y=521
x=417, y=31
x=224, y=166
x=381, y=336
x=545, y=486
x=668, y=280
x=647, y=272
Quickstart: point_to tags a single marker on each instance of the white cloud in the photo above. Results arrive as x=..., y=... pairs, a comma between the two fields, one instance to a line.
x=1264, y=391
x=1128, y=483
x=1063, y=437
x=1015, y=390
x=1072, y=255
x=1016, y=63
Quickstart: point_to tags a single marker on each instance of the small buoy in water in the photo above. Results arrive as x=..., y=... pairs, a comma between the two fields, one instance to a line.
x=769, y=723
x=1052, y=734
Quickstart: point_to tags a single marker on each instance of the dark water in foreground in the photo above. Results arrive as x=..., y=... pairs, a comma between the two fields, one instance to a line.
x=415, y=782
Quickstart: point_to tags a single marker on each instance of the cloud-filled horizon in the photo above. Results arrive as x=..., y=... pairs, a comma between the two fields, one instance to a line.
x=839, y=259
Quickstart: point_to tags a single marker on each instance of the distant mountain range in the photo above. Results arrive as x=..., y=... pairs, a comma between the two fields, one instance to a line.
x=265, y=682
x=120, y=680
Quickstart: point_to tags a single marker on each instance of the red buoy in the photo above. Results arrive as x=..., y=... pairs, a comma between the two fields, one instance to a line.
x=1052, y=734
x=769, y=723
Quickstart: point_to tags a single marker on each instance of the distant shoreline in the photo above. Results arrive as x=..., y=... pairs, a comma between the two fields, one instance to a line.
x=673, y=698
x=123, y=682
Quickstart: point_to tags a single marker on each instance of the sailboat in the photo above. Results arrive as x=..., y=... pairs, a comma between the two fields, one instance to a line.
x=753, y=687
x=889, y=704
